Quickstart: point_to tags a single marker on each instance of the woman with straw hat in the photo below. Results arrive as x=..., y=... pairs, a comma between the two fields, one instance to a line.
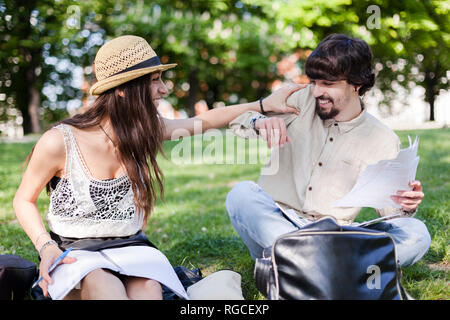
x=101, y=171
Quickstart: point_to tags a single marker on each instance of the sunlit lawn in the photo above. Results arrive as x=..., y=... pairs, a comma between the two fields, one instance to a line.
x=193, y=229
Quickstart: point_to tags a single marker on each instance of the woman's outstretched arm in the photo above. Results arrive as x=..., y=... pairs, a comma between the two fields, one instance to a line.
x=220, y=117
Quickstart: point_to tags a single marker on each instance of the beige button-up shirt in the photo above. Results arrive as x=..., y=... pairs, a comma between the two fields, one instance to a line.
x=324, y=159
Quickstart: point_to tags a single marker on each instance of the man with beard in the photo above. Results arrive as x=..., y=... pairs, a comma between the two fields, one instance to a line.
x=322, y=151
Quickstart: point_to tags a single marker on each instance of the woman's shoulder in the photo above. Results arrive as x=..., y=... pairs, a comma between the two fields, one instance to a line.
x=52, y=143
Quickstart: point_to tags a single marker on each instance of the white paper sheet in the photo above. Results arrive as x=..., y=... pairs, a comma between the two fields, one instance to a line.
x=139, y=261
x=379, y=181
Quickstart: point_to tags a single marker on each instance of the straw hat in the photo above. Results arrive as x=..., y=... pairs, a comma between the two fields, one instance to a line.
x=123, y=59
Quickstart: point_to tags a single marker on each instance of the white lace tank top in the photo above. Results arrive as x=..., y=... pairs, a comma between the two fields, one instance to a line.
x=82, y=206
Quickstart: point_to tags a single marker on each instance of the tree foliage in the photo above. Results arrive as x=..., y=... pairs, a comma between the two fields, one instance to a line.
x=222, y=48
x=226, y=51
x=410, y=39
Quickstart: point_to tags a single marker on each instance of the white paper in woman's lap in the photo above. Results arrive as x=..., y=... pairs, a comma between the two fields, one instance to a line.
x=138, y=261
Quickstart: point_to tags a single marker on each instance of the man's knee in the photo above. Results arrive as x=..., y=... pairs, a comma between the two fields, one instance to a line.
x=238, y=192
x=414, y=242
x=239, y=195
x=417, y=233
x=423, y=238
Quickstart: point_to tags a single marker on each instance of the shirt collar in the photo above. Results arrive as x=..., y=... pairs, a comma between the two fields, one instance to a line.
x=346, y=126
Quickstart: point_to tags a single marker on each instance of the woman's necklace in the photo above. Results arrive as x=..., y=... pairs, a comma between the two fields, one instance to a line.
x=107, y=135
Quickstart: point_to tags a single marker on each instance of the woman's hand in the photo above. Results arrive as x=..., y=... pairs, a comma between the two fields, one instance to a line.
x=273, y=130
x=49, y=255
x=276, y=102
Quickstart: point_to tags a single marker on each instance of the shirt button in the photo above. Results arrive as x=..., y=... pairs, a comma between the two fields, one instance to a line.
x=335, y=124
x=310, y=188
x=320, y=164
x=331, y=139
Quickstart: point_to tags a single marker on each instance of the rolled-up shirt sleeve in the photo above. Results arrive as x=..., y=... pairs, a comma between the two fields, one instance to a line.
x=242, y=126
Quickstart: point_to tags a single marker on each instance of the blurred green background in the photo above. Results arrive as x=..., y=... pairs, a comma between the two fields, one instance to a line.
x=227, y=51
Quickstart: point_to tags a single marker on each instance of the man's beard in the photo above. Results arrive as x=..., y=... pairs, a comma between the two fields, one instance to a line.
x=325, y=115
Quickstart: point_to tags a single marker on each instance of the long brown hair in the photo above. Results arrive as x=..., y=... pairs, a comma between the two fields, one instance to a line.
x=139, y=130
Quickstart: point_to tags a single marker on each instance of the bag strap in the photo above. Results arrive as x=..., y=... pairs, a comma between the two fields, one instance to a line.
x=405, y=295
x=262, y=275
x=402, y=291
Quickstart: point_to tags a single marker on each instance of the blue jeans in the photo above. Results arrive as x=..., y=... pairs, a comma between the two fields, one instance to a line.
x=259, y=222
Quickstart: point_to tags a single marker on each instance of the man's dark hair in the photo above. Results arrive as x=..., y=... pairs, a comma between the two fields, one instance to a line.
x=338, y=57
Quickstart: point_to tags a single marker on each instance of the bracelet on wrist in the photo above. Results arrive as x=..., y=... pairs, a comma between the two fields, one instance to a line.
x=261, y=106
x=39, y=236
x=253, y=123
x=45, y=245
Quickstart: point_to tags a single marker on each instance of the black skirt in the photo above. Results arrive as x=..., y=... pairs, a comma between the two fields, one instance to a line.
x=96, y=244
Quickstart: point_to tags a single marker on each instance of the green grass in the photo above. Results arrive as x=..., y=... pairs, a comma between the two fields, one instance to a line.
x=193, y=229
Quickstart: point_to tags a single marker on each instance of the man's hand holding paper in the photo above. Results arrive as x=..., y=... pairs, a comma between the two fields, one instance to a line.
x=409, y=200
x=385, y=183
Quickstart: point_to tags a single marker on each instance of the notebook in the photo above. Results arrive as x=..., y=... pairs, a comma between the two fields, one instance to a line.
x=138, y=261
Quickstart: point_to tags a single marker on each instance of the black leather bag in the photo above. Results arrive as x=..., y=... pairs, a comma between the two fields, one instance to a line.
x=327, y=261
x=16, y=277
x=187, y=277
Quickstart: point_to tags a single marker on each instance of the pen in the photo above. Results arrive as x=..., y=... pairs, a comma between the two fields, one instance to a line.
x=53, y=266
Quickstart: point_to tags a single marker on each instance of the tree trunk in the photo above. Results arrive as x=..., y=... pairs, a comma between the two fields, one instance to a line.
x=28, y=99
x=34, y=101
x=431, y=102
x=22, y=100
x=26, y=120
x=27, y=95
x=212, y=95
x=431, y=84
x=193, y=91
